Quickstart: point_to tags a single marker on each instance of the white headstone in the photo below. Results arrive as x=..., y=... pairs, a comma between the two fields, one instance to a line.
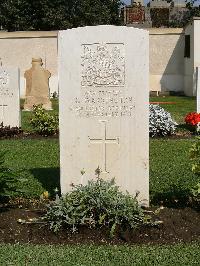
x=103, y=82
x=198, y=88
x=9, y=97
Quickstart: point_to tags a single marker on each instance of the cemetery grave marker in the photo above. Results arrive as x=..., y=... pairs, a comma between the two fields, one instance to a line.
x=198, y=88
x=37, y=86
x=9, y=97
x=103, y=88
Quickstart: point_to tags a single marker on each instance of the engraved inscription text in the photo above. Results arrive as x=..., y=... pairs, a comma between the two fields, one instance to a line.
x=4, y=83
x=103, y=103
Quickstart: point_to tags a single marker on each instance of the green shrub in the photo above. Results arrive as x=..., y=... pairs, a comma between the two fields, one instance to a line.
x=44, y=123
x=195, y=156
x=98, y=203
x=195, y=195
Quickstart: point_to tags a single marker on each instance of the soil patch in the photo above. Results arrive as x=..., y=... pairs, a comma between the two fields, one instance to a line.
x=179, y=225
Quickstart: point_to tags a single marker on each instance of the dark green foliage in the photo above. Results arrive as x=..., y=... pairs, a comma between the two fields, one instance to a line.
x=194, y=10
x=44, y=123
x=98, y=203
x=57, y=14
x=159, y=17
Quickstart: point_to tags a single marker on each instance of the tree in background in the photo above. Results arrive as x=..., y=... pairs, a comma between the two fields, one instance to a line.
x=57, y=14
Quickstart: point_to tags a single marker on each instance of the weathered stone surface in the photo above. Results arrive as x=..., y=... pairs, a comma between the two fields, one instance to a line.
x=103, y=77
x=37, y=86
x=9, y=97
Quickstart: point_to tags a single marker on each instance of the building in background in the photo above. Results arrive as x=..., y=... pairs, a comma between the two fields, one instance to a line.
x=158, y=13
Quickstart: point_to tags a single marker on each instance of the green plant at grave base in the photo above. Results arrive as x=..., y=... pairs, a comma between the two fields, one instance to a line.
x=195, y=156
x=98, y=203
x=44, y=123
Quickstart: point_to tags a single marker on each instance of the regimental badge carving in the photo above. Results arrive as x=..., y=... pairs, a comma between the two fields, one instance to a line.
x=103, y=64
x=4, y=78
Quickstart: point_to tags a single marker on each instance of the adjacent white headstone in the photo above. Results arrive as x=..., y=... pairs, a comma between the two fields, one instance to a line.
x=103, y=80
x=198, y=88
x=9, y=97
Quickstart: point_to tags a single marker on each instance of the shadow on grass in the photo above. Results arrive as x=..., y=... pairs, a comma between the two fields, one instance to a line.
x=186, y=128
x=48, y=177
x=174, y=198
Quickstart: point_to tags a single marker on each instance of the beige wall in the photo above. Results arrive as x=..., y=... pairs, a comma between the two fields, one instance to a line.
x=166, y=59
x=166, y=56
x=18, y=48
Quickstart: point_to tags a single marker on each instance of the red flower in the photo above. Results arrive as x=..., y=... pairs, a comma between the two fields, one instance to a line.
x=192, y=118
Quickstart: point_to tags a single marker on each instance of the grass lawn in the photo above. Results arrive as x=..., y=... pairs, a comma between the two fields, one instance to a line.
x=170, y=169
x=100, y=255
x=181, y=106
x=38, y=160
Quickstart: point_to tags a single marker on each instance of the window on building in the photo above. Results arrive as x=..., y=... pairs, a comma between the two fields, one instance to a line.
x=187, y=46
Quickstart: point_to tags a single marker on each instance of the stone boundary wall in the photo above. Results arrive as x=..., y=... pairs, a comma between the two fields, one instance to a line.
x=166, y=56
x=166, y=59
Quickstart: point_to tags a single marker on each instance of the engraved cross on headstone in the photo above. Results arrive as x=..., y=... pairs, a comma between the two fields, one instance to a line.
x=105, y=141
x=2, y=113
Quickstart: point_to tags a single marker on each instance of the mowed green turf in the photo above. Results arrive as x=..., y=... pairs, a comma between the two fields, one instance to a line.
x=181, y=106
x=83, y=255
x=170, y=169
x=38, y=160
